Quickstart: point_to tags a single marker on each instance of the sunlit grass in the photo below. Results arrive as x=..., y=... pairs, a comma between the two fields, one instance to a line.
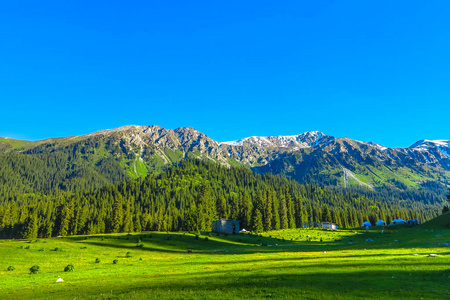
x=283, y=264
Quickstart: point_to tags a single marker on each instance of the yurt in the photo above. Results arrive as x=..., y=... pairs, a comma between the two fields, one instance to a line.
x=381, y=223
x=398, y=222
x=412, y=222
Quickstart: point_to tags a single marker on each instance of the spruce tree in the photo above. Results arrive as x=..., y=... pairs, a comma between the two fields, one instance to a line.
x=284, y=223
x=258, y=222
x=268, y=213
x=31, y=227
x=246, y=210
x=117, y=214
x=222, y=207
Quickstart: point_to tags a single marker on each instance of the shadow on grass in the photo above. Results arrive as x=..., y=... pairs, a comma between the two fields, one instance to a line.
x=247, y=244
x=294, y=283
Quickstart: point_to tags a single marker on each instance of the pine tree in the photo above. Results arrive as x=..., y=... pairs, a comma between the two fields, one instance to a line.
x=327, y=214
x=31, y=227
x=276, y=207
x=290, y=209
x=222, y=212
x=246, y=210
x=257, y=222
x=284, y=223
x=128, y=225
x=268, y=213
x=117, y=215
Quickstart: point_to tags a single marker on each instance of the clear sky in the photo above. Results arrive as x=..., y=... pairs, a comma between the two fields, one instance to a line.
x=371, y=70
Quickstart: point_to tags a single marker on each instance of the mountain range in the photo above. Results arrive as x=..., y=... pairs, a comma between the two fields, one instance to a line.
x=310, y=157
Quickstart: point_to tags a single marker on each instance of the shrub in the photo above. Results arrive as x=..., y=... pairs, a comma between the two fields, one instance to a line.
x=35, y=269
x=57, y=249
x=115, y=261
x=197, y=237
x=128, y=254
x=69, y=268
x=138, y=241
x=27, y=247
x=11, y=268
x=97, y=260
x=206, y=239
x=140, y=245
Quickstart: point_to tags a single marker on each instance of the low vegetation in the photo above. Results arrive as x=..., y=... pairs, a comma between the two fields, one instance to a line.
x=380, y=263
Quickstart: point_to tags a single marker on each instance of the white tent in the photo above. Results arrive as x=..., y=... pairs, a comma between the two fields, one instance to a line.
x=366, y=223
x=381, y=223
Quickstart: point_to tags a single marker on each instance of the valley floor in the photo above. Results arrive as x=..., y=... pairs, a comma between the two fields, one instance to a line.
x=288, y=264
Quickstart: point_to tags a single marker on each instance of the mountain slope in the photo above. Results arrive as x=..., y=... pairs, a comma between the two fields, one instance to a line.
x=132, y=151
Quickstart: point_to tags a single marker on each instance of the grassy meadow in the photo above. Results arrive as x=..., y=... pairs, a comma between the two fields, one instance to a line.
x=285, y=264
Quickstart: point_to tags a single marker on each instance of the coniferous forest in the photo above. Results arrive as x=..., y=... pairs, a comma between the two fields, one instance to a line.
x=189, y=197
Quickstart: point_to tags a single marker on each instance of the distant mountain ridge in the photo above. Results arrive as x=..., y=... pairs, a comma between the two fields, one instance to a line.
x=308, y=157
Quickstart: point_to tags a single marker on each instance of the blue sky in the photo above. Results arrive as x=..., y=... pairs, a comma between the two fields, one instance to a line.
x=370, y=70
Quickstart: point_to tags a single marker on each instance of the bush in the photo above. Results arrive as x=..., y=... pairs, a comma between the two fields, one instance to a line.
x=97, y=260
x=115, y=261
x=197, y=237
x=57, y=249
x=206, y=239
x=140, y=245
x=11, y=268
x=27, y=247
x=35, y=269
x=128, y=254
x=69, y=268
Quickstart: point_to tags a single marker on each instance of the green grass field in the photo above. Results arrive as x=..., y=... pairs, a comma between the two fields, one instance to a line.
x=287, y=264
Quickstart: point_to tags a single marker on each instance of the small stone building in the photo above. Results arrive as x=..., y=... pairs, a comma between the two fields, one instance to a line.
x=226, y=226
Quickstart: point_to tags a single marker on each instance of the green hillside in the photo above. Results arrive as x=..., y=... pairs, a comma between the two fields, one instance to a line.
x=188, y=197
x=440, y=222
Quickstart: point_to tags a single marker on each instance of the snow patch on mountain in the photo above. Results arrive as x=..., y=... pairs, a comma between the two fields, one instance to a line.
x=305, y=140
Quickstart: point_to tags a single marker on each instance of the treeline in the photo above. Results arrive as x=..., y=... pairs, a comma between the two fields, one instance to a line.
x=47, y=168
x=189, y=197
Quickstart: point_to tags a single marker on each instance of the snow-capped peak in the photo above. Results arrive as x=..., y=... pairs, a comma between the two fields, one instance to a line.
x=304, y=140
x=426, y=144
